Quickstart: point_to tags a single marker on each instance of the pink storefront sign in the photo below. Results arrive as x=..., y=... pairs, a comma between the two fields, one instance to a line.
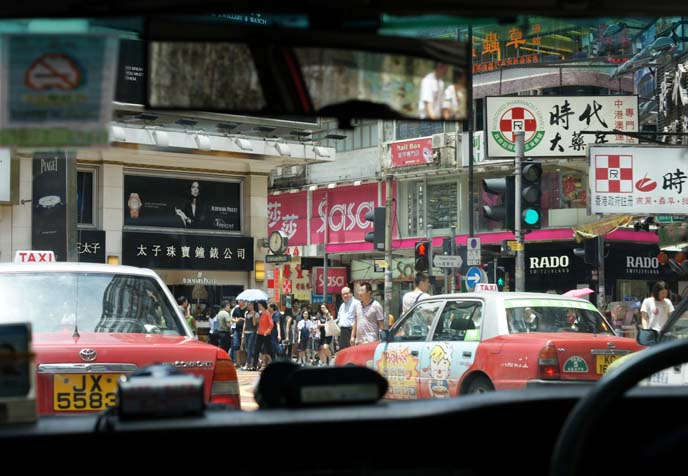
x=341, y=212
x=336, y=279
x=288, y=212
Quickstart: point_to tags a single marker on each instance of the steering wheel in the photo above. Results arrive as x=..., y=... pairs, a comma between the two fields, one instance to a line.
x=584, y=419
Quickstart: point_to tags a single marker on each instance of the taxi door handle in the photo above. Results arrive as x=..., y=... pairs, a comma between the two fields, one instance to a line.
x=467, y=354
x=414, y=353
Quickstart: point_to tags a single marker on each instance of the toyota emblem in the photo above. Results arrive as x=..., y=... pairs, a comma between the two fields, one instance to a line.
x=87, y=355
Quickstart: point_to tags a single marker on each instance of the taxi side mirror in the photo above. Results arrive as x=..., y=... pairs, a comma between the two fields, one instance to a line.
x=647, y=337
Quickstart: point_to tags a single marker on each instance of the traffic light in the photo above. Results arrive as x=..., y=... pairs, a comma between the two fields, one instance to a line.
x=377, y=236
x=531, y=213
x=588, y=252
x=422, y=259
x=496, y=274
x=504, y=188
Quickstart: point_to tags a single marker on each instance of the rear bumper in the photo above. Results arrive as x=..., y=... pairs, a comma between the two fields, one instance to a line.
x=537, y=383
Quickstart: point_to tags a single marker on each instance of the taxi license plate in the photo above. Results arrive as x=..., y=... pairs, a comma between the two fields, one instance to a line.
x=603, y=362
x=79, y=392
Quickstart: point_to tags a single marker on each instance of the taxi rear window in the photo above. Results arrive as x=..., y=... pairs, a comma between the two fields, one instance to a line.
x=95, y=302
x=554, y=315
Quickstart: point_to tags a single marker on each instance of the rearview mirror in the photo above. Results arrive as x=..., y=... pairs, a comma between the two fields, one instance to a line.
x=647, y=337
x=244, y=70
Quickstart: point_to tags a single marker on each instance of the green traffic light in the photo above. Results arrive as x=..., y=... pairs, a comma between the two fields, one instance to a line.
x=500, y=282
x=531, y=216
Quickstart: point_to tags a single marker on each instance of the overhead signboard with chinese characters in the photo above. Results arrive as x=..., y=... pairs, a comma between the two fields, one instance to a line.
x=180, y=251
x=90, y=246
x=558, y=126
x=638, y=180
x=288, y=213
x=411, y=152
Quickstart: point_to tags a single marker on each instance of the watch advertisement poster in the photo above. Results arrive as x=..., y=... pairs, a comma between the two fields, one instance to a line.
x=182, y=203
x=49, y=203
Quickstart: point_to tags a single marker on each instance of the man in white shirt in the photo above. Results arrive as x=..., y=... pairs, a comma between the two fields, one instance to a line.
x=431, y=91
x=348, y=312
x=422, y=281
x=454, y=99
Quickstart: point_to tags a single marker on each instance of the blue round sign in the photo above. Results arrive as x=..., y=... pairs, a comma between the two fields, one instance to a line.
x=473, y=277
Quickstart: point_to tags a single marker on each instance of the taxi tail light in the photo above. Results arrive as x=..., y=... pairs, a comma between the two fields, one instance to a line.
x=548, y=363
x=225, y=386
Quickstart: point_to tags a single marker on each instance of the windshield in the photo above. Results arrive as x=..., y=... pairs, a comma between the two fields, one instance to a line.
x=115, y=303
x=543, y=157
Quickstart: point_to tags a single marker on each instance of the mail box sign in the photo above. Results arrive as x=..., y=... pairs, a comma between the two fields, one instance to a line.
x=34, y=256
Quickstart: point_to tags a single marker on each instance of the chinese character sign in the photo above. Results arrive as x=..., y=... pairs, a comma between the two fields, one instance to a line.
x=557, y=125
x=287, y=213
x=411, y=152
x=341, y=211
x=638, y=180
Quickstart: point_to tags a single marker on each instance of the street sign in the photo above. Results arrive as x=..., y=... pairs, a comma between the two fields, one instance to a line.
x=473, y=277
x=514, y=245
x=446, y=261
x=473, y=251
x=277, y=258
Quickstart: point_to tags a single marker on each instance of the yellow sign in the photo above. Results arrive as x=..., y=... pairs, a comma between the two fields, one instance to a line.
x=380, y=263
x=514, y=245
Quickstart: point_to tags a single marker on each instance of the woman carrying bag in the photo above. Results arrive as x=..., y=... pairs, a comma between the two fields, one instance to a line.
x=331, y=330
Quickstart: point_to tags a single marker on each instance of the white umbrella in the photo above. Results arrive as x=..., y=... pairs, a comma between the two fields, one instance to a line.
x=252, y=295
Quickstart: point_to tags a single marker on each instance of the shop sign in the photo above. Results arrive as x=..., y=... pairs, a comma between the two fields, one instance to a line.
x=411, y=152
x=548, y=264
x=202, y=281
x=179, y=251
x=338, y=214
x=187, y=204
x=633, y=261
x=554, y=125
x=318, y=299
x=90, y=246
x=49, y=212
x=288, y=213
x=337, y=278
x=638, y=180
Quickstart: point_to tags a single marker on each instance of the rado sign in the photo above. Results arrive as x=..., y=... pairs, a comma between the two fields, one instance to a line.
x=549, y=262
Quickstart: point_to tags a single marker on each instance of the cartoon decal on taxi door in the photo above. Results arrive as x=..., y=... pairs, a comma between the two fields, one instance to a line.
x=440, y=363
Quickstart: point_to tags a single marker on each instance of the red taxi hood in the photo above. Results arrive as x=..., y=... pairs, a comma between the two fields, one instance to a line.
x=139, y=349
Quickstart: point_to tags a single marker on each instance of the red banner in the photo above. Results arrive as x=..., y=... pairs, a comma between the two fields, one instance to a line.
x=336, y=280
x=411, y=152
x=288, y=212
x=343, y=209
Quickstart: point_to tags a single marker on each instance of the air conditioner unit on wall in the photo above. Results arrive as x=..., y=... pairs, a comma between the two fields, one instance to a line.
x=439, y=140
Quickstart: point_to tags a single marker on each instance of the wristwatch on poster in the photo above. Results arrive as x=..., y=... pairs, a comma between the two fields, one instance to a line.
x=134, y=205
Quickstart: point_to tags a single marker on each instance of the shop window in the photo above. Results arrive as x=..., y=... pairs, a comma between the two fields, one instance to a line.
x=574, y=190
x=85, y=197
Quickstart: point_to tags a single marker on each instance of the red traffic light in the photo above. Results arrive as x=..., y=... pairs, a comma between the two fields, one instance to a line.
x=421, y=249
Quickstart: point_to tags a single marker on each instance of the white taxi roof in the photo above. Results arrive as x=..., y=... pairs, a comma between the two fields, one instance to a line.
x=62, y=266
x=504, y=295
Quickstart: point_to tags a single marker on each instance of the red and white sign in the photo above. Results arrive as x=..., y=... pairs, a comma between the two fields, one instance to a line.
x=34, y=256
x=286, y=286
x=614, y=173
x=288, y=213
x=336, y=279
x=342, y=211
x=53, y=70
x=637, y=180
x=411, y=152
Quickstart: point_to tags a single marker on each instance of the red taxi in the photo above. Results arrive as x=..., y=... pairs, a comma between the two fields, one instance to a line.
x=475, y=342
x=92, y=323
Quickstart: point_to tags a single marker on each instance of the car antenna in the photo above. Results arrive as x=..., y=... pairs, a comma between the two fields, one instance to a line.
x=75, y=334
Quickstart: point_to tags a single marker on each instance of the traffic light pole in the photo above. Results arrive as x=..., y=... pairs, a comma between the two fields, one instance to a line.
x=520, y=254
x=389, y=226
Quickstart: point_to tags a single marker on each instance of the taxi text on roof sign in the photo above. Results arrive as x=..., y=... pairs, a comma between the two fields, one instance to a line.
x=483, y=287
x=33, y=256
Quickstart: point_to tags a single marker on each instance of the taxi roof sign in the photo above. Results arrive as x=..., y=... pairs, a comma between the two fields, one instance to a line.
x=34, y=256
x=486, y=287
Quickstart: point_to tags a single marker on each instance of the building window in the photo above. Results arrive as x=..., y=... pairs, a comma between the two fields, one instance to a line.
x=85, y=194
x=416, y=208
x=442, y=205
